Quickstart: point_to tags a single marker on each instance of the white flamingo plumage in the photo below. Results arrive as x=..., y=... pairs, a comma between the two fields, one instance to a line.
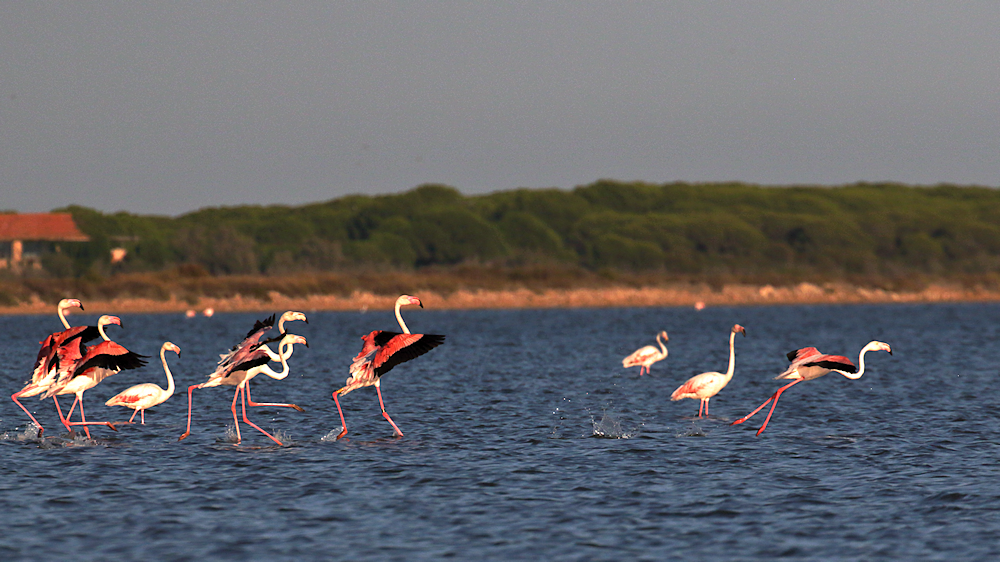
x=143, y=396
x=808, y=364
x=644, y=357
x=380, y=352
x=706, y=385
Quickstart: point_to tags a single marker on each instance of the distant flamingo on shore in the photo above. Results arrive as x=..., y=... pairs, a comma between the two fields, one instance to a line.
x=808, y=364
x=381, y=352
x=707, y=385
x=644, y=357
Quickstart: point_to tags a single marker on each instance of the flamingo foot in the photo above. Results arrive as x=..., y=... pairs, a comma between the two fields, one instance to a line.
x=182, y=437
x=342, y=433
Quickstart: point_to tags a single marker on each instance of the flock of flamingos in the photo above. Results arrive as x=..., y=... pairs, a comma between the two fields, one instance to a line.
x=67, y=365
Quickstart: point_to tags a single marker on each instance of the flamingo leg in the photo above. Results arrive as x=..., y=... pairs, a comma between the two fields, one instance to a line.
x=38, y=425
x=86, y=423
x=343, y=424
x=748, y=416
x=65, y=421
x=142, y=416
x=134, y=412
x=776, y=395
x=188, y=431
x=236, y=420
x=250, y=402
x=246, y=419
x=384, y=413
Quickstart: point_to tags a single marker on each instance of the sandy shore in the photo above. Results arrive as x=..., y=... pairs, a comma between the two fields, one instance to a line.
x=680, y=295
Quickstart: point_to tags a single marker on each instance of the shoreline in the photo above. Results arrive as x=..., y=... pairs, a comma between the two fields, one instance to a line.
x=670, y=295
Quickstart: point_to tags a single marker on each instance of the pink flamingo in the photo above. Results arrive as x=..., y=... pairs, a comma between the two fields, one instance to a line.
x=48, y=362
x=808, y=364
x=98, y=363
x=249, y=353
x=644, y=357
x=141, y=397
x=381, y=352
x=707, y=385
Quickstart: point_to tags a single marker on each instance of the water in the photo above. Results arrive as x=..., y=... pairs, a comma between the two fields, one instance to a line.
x=524, y=438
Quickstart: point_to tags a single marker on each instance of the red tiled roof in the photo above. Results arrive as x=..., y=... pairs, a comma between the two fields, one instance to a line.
x=57, y=227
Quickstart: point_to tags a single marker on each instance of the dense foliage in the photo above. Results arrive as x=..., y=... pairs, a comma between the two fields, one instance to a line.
x=675, y=228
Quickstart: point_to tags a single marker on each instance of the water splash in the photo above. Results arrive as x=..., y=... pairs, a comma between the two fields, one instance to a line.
x=30, y=433
x=693, y=431
x=283, y=436
x=229, y=436
x=332, y=436
x=611, y=428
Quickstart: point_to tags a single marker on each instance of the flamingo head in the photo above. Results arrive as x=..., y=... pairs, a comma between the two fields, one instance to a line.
x=666, y=338
x=292, y=338
x=740, y=329
x=172, y=347
x=878, y=346
x=293, y=315
x=108, y=319
x=407, y=299
x=70, y=303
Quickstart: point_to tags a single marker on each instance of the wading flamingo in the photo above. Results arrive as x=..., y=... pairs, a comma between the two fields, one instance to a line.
x=247, y=354
x=47, y=364
x=381, y=352
x=98, y=363
x=706, y=385
x=644, y=357
x=284, y=352
x=141, y=397
x=808, y=364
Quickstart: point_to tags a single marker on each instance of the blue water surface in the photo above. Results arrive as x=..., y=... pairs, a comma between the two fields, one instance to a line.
x=525, y=438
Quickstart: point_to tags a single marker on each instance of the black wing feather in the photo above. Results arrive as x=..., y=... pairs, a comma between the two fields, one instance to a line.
x=426, y=343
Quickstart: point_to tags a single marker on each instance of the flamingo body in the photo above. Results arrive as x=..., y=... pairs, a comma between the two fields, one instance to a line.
x=645, y=356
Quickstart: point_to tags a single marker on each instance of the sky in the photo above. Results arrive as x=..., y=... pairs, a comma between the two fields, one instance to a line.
x=164, y=108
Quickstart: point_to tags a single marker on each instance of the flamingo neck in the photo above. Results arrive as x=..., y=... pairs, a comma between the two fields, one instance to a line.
x=732, y=356
x=284, y=352
x=62, y=317
x=166, y=369
x=663, y=346
x=861, y=369
x=399, y=318
x=100, y=330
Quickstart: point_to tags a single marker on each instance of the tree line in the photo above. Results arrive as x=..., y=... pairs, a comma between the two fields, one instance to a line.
x=675, y=228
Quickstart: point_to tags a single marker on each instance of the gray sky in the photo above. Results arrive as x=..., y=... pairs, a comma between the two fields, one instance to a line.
x=168, y=107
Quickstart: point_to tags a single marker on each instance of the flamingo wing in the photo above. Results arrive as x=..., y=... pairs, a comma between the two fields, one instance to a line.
x=696, y=385
x=108, y=355
x=832, y=362
x=797, y=355
x=641, y=355
x=400, y=348
x=137, y=393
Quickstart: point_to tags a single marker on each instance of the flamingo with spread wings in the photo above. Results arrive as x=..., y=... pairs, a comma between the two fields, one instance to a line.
x=380, y=352
x=808, y=364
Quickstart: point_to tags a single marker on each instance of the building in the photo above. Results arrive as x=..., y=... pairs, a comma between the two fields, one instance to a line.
x=25, y=237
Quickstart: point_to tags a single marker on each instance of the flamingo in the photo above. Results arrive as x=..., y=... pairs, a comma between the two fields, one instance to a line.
x=49, y=358
x=644, y=357
x=285, y=349
x=808, y=364
x=141, y=397
x=381, y=352
x=247, y=354
x=707, y=385
x=98, y=363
